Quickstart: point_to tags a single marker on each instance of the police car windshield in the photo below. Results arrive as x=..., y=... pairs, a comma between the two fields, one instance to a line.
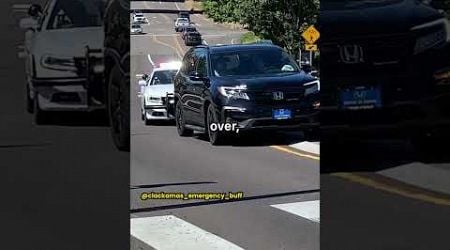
x=163, y=77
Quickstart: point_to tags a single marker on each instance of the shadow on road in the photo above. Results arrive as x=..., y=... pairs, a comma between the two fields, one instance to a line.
x=260, y=139
x=357, y=155
x=77, y=119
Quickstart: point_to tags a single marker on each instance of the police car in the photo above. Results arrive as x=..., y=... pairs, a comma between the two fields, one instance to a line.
x=157, y=96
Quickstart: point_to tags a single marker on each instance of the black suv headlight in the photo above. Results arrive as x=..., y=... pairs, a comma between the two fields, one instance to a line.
x=312, y=87
x=439, y=35
x=234, y=92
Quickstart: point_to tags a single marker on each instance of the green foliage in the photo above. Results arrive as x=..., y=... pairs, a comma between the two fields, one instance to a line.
x=281, y=21
x=249, y=37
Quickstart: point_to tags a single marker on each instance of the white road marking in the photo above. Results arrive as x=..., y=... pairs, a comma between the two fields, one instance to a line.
x=150, y=60
x=170, y=233
x=177, y=6
x=310, y=147
x=306, y=209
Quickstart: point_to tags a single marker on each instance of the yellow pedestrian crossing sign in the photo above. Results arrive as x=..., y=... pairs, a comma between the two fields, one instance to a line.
x=311, y=34
x=310, y=47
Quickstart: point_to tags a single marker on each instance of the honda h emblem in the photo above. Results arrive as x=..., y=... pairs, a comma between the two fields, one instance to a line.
x=278, y=95
x=351, y=54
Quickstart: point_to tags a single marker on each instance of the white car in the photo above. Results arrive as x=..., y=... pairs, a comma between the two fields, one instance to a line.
x=136, y=29
x=181, y=23
x=139, y=18
x=157, y=94
x=58, y=41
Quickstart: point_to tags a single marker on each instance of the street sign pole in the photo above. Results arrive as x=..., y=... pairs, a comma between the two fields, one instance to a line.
x=310, y=57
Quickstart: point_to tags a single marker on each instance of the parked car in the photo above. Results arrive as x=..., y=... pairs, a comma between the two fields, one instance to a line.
x=256, y=86
x=136, y=29
x=187, y=29
x=181, y=23
x=64, y=59
x=139, y=18
x=184, y=14
x=192, y=38
x=157, y=97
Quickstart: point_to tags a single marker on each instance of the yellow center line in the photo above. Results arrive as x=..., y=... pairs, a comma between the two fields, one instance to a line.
x=167, y=45
x=178, y=45
x=297, y=153
x=393, y=189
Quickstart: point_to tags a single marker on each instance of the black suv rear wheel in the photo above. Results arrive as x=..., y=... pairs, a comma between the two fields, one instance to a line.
x=180, y=122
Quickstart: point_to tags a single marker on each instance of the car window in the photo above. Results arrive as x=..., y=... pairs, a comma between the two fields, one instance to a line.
x=253, y=62
x=163, y=77
x=76, y=13
x=201, y=67
x=188, y=64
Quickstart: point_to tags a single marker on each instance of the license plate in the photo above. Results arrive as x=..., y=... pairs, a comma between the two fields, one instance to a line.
x=282, y=114
x=361, y=98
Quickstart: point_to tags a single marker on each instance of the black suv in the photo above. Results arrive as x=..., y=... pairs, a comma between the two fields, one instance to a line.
x=256, y=86
x=384, y=65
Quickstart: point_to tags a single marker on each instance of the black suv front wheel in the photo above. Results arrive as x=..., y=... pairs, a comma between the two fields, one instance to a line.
x=215, y=137
x=180, y=122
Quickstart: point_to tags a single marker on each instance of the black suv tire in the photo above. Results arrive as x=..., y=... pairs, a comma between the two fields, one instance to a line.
x=118, y=109
x=180, y=122
x=40, y=116
x=215, y=137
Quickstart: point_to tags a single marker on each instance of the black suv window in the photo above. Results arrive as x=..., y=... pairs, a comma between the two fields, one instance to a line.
x=188, y=65
x=200, y=57
x=259, y=61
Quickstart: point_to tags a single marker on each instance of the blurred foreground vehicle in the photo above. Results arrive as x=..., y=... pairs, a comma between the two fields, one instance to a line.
x=117, y=70
x=387, y=70
x=157, y=100
x=254, y=86
x=63, y=54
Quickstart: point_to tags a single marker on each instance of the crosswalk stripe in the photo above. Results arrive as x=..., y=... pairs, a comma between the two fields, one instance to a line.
x=169, y=232
x=306, y=209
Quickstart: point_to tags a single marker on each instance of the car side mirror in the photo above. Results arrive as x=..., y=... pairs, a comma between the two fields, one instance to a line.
x=196, y=77
x=35, y=10
x=142, y=82
x=28, y=23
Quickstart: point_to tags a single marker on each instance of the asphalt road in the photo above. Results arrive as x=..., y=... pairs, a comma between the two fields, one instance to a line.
x=60, y=181
x=161, y=161
x=384, y=194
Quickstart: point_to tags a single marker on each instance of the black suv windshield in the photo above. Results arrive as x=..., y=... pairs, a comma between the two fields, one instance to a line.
x=253, y=62
x=77, y=13
x=163, y=77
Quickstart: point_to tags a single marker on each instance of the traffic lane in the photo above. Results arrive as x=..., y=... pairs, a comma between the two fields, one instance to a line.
x=160, y=156
x=253, y=224
x=51, y=191
x=355, y=216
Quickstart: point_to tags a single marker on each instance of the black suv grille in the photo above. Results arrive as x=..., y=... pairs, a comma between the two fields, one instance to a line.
x=267, y=97
x=378, y=53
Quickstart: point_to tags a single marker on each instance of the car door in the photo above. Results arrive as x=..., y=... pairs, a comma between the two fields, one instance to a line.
x=199, y=88
x=184, y=86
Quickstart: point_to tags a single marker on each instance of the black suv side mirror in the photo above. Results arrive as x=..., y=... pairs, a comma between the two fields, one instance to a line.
x=196, y=77
x=35, y=10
